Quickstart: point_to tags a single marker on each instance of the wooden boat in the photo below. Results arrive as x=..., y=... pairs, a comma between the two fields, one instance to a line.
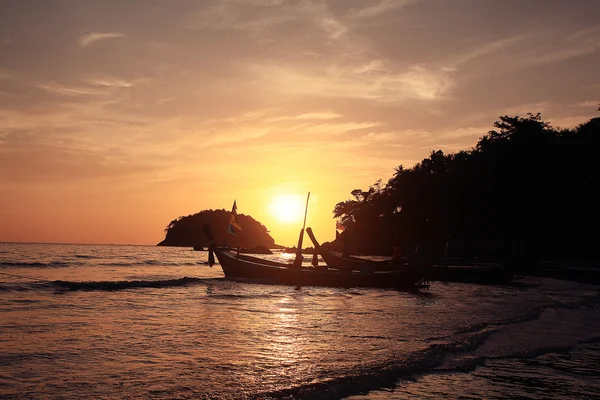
x=247, y=268
x=338, y=260
x=335, y=259
x=440, y=271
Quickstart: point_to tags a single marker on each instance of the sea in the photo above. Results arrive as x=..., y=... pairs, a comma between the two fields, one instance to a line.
x=146, y=322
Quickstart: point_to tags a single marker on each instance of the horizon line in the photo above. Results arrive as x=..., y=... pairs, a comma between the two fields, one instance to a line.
x=91, y=244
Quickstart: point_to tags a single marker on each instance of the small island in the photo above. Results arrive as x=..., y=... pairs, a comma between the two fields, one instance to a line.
x=186, y=231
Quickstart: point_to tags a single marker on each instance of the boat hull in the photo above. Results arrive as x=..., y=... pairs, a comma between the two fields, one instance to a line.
x=257, y=270
x=337, y=260
x=484, y=274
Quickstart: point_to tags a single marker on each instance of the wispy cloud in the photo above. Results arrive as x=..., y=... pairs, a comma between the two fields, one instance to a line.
x=319, y=115
x=268, y=128
x=321, y=16
x=340, y=128
x=570, y=121
x=581, y=43
x=381, y=7
x=523, y=109
x=469, y=134
x=108, y=81
x=420, y=82
x=310, y=116
x=255, y=16
x=590, y=104
x=492, y=47
x=93, y=37
x=534, y=47
x=62, y=90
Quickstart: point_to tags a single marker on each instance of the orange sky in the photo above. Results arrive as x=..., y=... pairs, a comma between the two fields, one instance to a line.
x=117, y=117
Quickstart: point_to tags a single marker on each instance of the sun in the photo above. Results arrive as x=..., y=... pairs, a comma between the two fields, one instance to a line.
x=286, y=208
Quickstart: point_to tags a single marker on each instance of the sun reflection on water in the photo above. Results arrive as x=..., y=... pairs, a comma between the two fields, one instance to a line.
x=284, y=345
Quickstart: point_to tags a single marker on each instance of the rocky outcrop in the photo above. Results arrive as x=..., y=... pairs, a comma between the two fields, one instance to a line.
x=187, y=231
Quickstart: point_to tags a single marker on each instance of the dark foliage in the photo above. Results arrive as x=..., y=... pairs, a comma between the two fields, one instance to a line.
x=525, y=190
x=187, y=231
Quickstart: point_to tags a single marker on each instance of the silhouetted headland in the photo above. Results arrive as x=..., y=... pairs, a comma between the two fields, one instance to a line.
x=526, y=193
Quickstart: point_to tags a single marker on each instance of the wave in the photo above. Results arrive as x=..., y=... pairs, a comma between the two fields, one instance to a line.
x=15, y=288
x=432, y=360
x=530, y=315
x=366, y=378
x=585, y=301
x=133, y=263
x=121, y=285
x=34, y=264
x=163, y=263
x=465, y=350
x=152, y=262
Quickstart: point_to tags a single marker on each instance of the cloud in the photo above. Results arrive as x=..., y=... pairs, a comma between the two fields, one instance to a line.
x=491, y=48
x=268, y=129
x=554, y=46
x=62, y=90
x=256, y=16
x=417, y=82
x=344, y=127
x=318, y=115
x=570, y=121
x=320, y=15
x=379, y=8
x=523, y=109
x=35, y=163
x=93, y=37
x=380, y=137
x=309, y=116
x=468, y=135
x=590, y=104
x=110, y=82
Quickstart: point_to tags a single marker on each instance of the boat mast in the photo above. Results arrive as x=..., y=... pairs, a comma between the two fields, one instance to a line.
x=298, y=259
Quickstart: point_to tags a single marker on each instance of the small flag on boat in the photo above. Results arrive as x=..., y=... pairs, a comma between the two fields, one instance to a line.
x=230, y=230
x=233, y=220
x=339, y=226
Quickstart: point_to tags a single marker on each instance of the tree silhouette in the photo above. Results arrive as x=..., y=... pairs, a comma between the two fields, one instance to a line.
x=526, y=190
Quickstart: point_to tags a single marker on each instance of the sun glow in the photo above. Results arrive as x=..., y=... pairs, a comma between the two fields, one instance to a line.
x=286, y=208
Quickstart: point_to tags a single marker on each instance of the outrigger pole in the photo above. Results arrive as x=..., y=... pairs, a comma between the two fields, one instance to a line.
x=298, y=260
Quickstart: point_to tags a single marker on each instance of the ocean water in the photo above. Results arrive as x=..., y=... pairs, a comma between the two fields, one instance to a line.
x=140, y=322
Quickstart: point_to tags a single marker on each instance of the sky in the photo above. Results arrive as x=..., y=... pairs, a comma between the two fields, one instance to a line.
x=118, y=116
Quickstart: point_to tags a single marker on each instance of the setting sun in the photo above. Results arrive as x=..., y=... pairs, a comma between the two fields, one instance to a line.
x=287, y=208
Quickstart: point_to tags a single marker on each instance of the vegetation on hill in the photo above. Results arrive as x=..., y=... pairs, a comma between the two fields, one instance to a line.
x=187, y=231
x=526, y=190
